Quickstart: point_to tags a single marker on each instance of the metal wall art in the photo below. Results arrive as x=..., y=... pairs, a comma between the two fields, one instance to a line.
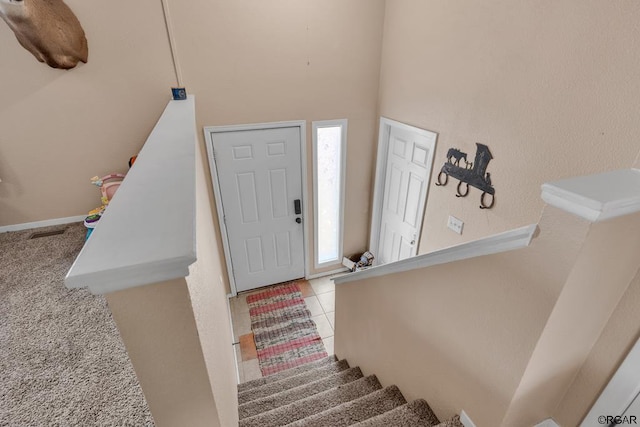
x=472, y=173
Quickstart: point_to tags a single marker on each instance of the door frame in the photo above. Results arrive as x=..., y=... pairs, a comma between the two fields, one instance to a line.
x=384, y=134
x=208, y=131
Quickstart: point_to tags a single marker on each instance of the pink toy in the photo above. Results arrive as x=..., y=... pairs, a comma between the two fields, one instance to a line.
x=108, y=185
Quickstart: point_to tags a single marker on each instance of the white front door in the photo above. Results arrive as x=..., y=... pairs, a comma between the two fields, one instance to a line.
x=408, y=157
x=260, y=182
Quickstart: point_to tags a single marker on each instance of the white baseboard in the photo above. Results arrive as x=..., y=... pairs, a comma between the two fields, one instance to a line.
x=327, y=273
x=38, y=224
x=233, y=343
x=547, y=423
x=465, y=420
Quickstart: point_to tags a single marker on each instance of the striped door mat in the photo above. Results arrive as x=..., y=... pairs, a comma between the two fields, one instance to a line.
x=284, y=333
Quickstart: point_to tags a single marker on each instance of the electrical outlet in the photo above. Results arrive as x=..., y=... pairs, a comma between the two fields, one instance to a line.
x=455, y=224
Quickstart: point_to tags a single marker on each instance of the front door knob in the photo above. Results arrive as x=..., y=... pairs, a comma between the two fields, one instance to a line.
x=298, y=220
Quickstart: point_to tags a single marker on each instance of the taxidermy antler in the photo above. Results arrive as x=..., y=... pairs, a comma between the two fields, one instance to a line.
x=48, y=29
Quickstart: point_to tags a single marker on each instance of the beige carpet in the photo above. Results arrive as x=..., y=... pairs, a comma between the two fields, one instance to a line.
x=62, y=361
x=328, y=393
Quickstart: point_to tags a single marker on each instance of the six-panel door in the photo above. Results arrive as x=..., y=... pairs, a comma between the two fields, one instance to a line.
x=259, y=174
x=407, y=176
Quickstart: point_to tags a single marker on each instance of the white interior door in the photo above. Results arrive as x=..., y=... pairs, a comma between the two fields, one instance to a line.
x=407, y=158
x=260, y=179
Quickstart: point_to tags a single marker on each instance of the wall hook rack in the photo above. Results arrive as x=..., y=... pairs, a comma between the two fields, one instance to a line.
x=471, y=174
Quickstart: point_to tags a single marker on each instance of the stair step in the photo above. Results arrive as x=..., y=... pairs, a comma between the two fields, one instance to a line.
x=352, y=412
x=413, y=414
x=315, y=404
x=284, y=374
x=286, y=397
x=292, y=381
x=452, y=422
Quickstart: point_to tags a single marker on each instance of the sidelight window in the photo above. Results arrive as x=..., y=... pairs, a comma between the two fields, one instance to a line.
x=329, y=160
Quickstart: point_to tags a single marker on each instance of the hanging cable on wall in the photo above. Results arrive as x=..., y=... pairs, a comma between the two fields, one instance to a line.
x=178, y=93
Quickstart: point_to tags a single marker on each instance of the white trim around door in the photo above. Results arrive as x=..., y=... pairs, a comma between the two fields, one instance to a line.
x=384, y=135
x=208, y=131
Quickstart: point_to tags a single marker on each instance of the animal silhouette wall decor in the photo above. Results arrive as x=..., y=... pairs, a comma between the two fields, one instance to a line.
x=474, y=173
x=48, y=29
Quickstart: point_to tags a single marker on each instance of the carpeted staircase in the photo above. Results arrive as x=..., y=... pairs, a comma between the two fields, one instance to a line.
x=329, y=393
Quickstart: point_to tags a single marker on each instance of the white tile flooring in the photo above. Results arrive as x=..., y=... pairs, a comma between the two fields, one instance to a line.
x=320, y=299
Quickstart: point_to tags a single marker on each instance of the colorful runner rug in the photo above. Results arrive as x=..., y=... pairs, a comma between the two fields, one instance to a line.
x=282, y=328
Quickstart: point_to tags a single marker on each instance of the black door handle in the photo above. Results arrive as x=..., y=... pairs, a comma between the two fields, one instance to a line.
x=297, y=206
x=298, y=220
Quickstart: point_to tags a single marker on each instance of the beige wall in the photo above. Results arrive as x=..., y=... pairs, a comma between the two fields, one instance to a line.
x=255, y=62
x=157, y=325
x=178, y=333
x=617, y=339
x=550, y=88
x=608, y=261
x=60, y=128
x=551, y=91
x=508, y=338
x=208, y=291
x=246, y=62
x=460, y=335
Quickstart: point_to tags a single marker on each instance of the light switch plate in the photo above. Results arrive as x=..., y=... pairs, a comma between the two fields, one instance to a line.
x=455, y=224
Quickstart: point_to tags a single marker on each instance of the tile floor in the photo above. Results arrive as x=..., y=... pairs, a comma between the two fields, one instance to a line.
x=319, y=295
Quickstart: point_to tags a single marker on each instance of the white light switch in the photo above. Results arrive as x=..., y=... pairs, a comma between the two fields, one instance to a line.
x=455, y=224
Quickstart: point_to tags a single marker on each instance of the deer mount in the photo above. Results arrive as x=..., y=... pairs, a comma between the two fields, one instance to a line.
x=48, y=29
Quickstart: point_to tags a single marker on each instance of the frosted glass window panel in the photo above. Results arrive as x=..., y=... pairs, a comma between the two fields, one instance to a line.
x=329, y=193
x=328, y=161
